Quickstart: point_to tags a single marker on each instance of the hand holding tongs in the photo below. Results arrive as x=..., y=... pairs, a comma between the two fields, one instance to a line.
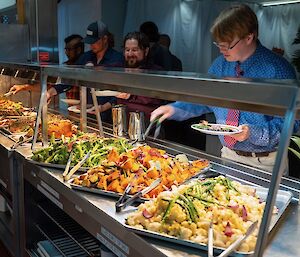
x=125, y=201
x=231, y=247
x=67, y=175
x=157, y=128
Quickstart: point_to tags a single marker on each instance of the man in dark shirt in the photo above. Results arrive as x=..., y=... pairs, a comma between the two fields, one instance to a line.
x=158, y=54
x=101, y=54
x=165, y=41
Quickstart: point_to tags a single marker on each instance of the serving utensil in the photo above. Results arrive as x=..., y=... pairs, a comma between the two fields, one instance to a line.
x=76, y=167
x=68, y=165
x=210, y=240
x=231, y=247
x=9, y=93
x=21, y=141
x=157, y=127
x=123, y=202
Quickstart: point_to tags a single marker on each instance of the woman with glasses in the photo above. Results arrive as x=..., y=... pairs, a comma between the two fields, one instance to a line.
x=235, y=32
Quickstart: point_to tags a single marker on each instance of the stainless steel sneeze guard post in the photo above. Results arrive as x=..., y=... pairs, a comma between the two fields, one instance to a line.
x=83, y=116
x=97, y=111
x=42, y=114
x=278, y=170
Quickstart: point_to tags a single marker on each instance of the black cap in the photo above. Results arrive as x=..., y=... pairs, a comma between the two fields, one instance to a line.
x=95, y=31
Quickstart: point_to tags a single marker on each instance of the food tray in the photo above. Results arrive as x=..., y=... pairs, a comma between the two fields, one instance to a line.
x=282, y=201
x=117, y=195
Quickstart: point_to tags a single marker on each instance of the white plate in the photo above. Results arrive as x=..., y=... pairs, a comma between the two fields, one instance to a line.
x=70, y=101
x=216, y=132
x=107, y=93
x=74, y=108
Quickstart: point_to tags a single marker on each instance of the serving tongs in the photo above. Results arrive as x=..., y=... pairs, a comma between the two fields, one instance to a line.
x=68, y=174
x=157, y=127
x=126, y=200
x=9, y=93
x=21, y=142
x=231, y=247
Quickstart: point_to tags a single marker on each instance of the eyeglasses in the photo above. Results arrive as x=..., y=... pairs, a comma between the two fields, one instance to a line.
x=227, y=48
x=67, y=49
x=72, y=47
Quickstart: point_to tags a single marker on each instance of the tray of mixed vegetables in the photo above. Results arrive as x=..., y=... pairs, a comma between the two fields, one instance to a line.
x=56, y=155
x=139, y=166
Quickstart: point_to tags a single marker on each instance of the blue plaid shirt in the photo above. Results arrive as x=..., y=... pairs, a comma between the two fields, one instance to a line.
x=264, y=129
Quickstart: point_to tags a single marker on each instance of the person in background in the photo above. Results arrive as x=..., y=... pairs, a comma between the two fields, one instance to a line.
x=235, y=31
x=74, y=48
x=165, y=41
x=101, y=54
x=136, y=48
x=181, y=131
x=158, y=54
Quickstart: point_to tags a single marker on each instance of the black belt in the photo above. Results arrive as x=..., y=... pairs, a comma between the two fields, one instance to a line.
x=250, y=154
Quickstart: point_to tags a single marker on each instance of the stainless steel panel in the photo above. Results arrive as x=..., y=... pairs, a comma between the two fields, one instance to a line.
x=41, y=16
x=14, y=42
x=244, y=94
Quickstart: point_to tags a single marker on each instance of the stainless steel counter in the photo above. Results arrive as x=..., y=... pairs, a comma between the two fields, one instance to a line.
x=97, y=213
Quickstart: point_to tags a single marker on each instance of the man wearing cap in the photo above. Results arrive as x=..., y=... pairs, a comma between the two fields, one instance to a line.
x=97, y=36
x=101, y=54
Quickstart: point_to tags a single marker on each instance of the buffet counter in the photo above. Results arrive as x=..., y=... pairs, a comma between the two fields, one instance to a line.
x=38, y=192
x=97, y=215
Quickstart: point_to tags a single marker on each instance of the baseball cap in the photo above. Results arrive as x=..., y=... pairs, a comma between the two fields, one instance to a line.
x=95, y=31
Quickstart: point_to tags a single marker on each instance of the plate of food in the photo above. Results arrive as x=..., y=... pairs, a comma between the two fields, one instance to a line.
x=216, y=129
x=107, y=93
x=76, y=109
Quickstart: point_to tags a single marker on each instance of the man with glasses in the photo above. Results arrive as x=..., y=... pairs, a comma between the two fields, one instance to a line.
x=235, y=31
x=74, y=48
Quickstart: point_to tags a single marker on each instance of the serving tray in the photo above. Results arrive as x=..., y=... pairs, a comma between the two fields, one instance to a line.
x=282, y=201
x=117, y=195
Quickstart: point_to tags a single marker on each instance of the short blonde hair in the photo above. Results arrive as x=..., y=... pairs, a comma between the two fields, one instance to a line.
x=235, y=21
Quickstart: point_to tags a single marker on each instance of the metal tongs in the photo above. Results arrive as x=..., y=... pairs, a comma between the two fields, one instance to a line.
x=231, y=247
x=9, y=93
x=157, y=128
x=21, y=141
x=68, y=174
x=125, y=200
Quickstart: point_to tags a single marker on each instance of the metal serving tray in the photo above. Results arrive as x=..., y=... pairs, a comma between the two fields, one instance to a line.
x=117, y=195
x=282, y=201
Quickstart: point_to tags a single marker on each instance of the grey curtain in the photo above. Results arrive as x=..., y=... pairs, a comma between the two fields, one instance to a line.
x=188, y=22
x=73, y=18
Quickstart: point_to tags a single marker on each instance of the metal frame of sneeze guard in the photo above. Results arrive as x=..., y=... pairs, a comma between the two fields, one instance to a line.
x=97, y=111
x=83, y=115
x=41, y=117
x=278, y=170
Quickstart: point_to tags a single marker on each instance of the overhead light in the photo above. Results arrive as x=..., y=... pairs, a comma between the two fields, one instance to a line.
x=272, y=3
